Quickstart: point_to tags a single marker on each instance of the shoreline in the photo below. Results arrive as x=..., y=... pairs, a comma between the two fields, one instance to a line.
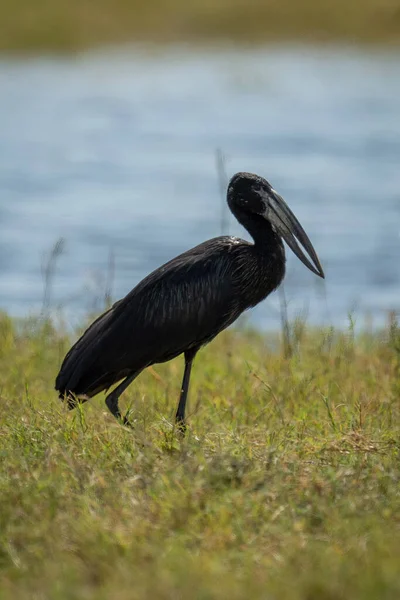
x=71, y=27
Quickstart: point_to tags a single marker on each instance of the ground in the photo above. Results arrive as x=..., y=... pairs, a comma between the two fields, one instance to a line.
x=285, y=487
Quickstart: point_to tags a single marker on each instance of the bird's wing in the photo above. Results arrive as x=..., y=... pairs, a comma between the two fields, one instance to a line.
x=181, y=305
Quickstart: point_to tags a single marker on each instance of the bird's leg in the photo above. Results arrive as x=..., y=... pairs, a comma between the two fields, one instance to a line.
x=113, y=397
x=180, y=413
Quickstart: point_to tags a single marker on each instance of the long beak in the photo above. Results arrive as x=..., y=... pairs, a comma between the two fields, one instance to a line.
x=280, y=215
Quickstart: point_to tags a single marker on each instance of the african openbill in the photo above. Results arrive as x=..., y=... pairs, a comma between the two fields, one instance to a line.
x=185, y=303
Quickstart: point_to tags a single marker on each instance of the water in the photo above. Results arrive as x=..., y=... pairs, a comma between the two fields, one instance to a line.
x=115, y=153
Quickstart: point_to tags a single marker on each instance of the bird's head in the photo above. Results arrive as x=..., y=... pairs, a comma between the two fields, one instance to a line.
x=253, y=195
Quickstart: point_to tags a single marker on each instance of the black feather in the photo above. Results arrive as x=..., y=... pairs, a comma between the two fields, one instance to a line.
x=183, y=304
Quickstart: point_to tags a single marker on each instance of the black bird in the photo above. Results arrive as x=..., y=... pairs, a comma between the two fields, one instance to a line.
x=185, y=303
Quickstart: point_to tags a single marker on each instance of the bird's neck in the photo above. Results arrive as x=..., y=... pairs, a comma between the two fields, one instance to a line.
x=264, y=236
x=265, y=260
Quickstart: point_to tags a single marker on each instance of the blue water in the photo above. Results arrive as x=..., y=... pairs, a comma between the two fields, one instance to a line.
x=116, y=154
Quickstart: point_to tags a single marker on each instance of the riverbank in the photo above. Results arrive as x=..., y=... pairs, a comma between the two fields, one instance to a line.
x=74, y=26
x=286, y=485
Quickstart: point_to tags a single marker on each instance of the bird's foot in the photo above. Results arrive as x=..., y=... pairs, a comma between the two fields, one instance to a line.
x=72, y=401
x=127, y=422
x=181, y=427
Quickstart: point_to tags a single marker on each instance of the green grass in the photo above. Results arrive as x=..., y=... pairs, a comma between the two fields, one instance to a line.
x=73, y=25
x=286, y=486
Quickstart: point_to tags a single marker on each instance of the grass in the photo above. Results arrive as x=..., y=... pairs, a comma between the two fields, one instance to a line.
x=73, y=25
x=286, y=486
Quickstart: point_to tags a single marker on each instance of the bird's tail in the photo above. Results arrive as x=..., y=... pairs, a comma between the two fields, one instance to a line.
x=84, y=391
x=81, y=374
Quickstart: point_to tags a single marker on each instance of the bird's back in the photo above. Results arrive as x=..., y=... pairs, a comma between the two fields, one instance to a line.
x=183, y=304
